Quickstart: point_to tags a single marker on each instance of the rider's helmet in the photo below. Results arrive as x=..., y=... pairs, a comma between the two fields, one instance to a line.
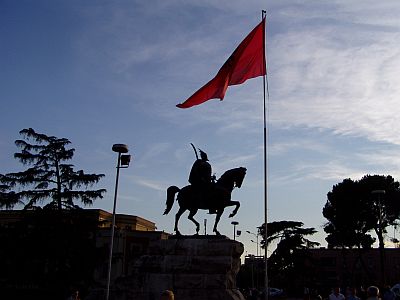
x=203, y=155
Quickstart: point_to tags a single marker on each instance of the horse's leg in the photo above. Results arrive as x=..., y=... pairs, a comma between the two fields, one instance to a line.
x=177, y=216
x=190, y=217
x=234, y=212
x=217, y=218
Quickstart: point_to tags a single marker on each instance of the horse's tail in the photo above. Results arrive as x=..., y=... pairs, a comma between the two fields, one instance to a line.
x=171, y=191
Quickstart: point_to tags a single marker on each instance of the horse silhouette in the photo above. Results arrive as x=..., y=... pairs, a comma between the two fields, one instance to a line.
x=218, y=197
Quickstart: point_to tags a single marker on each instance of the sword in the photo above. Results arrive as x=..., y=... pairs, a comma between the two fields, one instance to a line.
x=195, y=151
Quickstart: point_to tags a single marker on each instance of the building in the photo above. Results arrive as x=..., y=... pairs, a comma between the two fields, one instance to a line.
x=354, y=267
x=131, y=239
x=320, y=269
x=9, y=217
x=42, y=243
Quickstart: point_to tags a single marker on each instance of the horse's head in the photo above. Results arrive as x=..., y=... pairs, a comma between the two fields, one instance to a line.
x=232, y=178
x=241, y=172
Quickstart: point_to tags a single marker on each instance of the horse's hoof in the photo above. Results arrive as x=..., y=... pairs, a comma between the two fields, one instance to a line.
x=217, y=232
x=177, y=233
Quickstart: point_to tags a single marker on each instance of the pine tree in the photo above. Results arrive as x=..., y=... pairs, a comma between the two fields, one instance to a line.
x=49, y=178
x=355, y=208
x=288, y=260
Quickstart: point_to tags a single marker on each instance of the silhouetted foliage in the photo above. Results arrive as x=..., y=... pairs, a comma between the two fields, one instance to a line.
x=353, y=211
x=355, y=208
x=48, y=177
x=288, y=230
x=288, y=259
x=348, y=217
x=8, y=198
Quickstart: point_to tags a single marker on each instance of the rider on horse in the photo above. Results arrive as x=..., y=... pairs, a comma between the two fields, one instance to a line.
x=200, y=178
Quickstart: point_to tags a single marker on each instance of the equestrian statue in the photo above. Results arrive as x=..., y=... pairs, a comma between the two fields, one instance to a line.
x=204, y=192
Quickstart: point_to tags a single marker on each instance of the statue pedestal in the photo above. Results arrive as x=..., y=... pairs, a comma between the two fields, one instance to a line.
x=194, y=268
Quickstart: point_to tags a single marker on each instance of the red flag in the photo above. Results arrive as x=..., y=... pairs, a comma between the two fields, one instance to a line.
x=247, y=61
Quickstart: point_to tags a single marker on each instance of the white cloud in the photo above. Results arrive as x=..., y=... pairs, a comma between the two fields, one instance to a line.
x=229, y=161
x=155, y=150
x=152, y=184
x=347, y=82
x=339, y=164
x=294, y=144
x=331, y=171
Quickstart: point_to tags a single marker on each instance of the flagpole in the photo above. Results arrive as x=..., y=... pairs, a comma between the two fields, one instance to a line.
x=263, y=15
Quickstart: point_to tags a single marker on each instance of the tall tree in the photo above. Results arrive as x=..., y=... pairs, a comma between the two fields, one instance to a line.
x=348, y=223
x=48, y=178
x=355, y=208
x=288, y=258
x=8, y=198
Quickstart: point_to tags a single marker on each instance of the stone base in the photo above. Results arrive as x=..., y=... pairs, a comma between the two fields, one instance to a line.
x=194, y=268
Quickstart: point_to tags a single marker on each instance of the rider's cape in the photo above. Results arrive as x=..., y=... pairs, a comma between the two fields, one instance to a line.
x=200, y=173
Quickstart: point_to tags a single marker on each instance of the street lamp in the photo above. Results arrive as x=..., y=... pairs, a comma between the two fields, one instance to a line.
x=123, y=162
x=256, y=235
x=234, y=223
x=255, y=242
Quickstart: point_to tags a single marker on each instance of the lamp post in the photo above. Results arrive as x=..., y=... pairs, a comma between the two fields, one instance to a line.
x=122, y=162
x=234, y=223
x=256, y=235
x=255, y=242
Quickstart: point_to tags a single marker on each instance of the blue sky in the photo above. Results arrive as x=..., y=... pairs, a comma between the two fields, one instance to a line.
x=105, y=72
